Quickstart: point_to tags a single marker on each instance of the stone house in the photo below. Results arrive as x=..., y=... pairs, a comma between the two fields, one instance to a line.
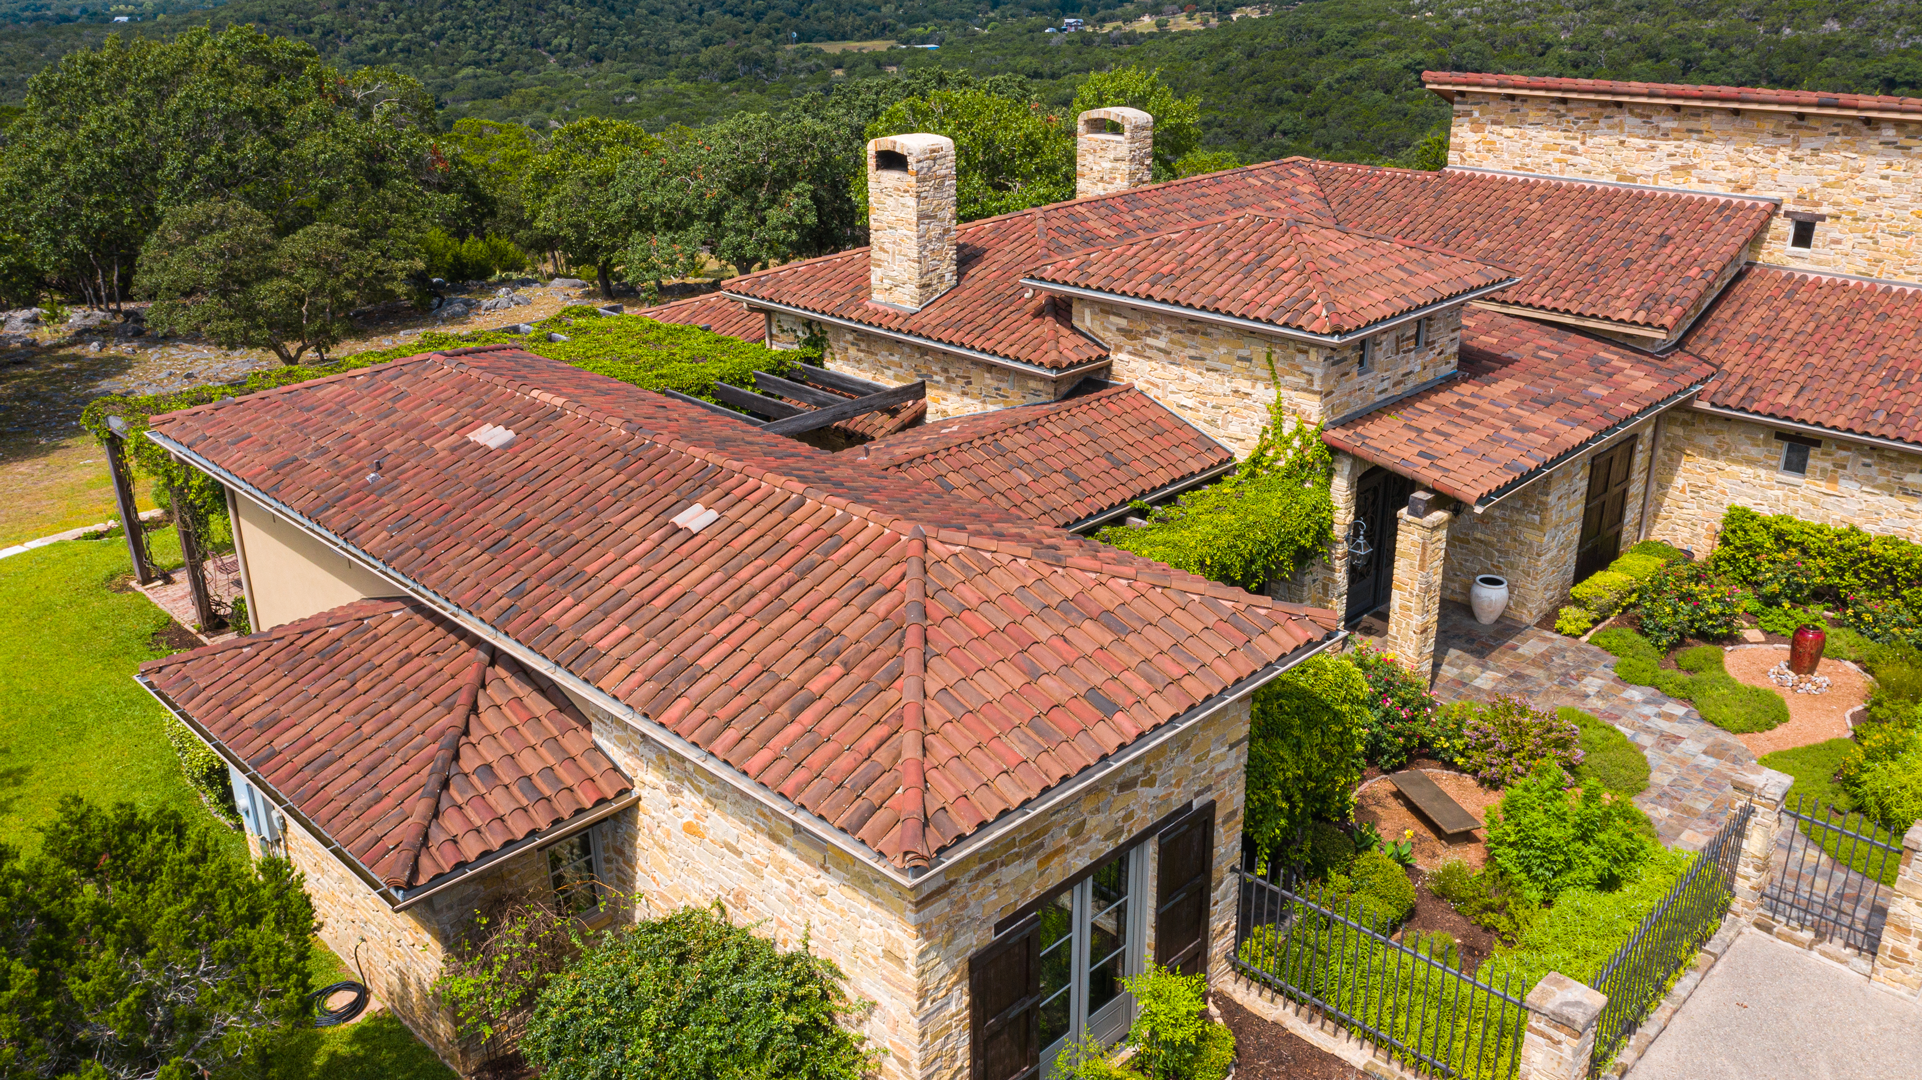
x=1621, y=309
x=528, y=630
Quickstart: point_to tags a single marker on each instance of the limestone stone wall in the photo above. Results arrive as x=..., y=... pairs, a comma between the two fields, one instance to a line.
x=1530, y=538
x=1324, y=583
x=1866, y=175
x=1398, y=366
x=1106, y=163
x=956, y=384
x=911, y=219
x=1708, y=463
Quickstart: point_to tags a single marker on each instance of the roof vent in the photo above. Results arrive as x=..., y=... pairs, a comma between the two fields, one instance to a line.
x=493, y=436
x=695, y=518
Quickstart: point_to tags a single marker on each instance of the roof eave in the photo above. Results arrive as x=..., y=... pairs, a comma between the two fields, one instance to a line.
x=1882, y=442
x=1272, y=329
x=845, y=323
x=1447, y=89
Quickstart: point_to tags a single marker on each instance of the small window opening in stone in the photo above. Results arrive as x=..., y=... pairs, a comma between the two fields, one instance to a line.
x=1421, y=333
x=1802, y=235
x=892, y=160
x=1795, y=458
x=1367, y=354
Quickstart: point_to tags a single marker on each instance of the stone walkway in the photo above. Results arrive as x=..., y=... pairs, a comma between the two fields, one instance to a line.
x=1692, y=763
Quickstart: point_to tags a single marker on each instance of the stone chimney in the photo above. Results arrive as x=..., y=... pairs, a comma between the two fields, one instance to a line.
x=1104, y=163
x=910, y=219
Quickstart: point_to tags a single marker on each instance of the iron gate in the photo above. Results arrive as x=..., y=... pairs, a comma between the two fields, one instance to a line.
x=1831, y=874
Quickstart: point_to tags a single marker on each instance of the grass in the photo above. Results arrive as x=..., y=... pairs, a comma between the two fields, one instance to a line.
x=57, y=488
x=1609, y=757
x=73, y=722
x=1703, y=681
x=1814, y=767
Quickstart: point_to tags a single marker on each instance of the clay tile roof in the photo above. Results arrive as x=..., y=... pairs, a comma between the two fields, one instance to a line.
x=1301, y=275
x=1837, y=352
x=1645, y=258
x=340, y=714
x=1061, y=462
x=1447, y=82
x=1528, y=395
x=989, y=310
x=714, y=311
x=779, y=638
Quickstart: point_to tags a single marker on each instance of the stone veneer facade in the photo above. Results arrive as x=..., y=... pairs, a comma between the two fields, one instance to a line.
x=956, y=384
x=1864, y=173
x=1106, y=163
x=1530, y=538
x=1708, y=463
x=911, y=208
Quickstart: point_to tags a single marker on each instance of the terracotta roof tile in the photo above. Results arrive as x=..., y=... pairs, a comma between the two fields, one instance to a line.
x=1819, y=349
x=1528, y=394
x=809, y=567
x=714, y=312
x=1296, y=274
x=340, y=712
x=1672, y=93
x=1060, y=462
x=1645, y=258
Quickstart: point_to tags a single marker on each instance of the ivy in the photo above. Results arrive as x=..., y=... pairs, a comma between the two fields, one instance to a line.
x=1265, y=522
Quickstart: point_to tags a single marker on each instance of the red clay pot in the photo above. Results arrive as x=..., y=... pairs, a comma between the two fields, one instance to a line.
x=1805, y=649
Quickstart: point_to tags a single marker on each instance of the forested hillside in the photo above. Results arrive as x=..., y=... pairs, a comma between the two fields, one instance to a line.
x=1334, y=78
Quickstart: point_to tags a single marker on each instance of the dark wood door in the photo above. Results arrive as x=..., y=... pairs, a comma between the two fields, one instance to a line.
x=1184, y=879
x=1004, y=992
x=1379, y=496
x=1605, y=508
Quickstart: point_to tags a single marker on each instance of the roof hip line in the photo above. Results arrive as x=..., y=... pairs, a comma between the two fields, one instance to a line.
x=427, y=803
x=914, y=781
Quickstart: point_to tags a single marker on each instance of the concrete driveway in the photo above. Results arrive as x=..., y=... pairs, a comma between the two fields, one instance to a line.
x=1770, y=1011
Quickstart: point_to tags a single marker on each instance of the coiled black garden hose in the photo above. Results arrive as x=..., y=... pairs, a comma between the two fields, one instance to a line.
x=325, y=1017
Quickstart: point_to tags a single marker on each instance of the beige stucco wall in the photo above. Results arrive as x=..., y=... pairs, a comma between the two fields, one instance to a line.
x=1531, y=537
x=698, y=839
x=1708, y=463
x=1218, y=377
x=1866, y=175
x=292, y=574
x=956, y=384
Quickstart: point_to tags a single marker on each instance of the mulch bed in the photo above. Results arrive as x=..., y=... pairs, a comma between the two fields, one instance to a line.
x=1264, y=1050
x=174, y=638
x=1433, y=913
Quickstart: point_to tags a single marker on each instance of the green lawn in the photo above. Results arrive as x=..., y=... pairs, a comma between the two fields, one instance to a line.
x=73, y=722
x=1813, y=767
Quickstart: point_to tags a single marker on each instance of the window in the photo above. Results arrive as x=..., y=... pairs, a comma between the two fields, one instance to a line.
x=1367, y=354
x=1421, y=333
x=1802, y=235
x=1795, y=452
x=573, y=865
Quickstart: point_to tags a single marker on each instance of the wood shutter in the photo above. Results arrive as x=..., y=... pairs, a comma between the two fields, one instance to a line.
x=1183, y=880
x=1605, y=508
x=1004, y=993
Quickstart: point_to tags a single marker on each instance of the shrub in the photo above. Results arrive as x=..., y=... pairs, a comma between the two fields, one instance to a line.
x=1438, y=945
x=1404, y=717
x=1604, y=592
x=1701, y=658
x=1834, y=564
x=1087, y=1059
x=1640, y=566
x=691, y=996
x=1847, y=643
x=501, y=959
x=1625, y=643
x=1586, y=927
x=1573, y=621
x=1546, y=842
x=1330, y=850
x=1658, y=549
x=1822, y=771
x=205, y=770
x=1379, y=887
x=1173, y=1036
x=1485, y=898
x=1505, y=740
x=1890, y=790
x=1686, y=601
x=1785, y=620
x=1609, y=758
x=474, y=258
x=1883, y=619
x=1305, y=750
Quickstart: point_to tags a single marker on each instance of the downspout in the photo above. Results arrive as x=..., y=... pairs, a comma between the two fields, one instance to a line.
x=240, y=556
x=1648, y=482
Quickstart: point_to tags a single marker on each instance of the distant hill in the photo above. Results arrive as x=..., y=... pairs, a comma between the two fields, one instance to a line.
x=1332, y=78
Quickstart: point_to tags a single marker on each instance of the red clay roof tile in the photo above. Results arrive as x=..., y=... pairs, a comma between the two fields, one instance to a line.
x=1819, y=349
x=1528, y=394
x=575, y=515
x=1446, y=82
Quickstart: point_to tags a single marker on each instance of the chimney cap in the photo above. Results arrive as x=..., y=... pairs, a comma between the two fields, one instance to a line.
x=1129, y=119
x=913, y=147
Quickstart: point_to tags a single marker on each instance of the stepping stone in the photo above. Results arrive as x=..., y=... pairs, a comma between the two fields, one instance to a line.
x=1434, y=803
x=1753, y=635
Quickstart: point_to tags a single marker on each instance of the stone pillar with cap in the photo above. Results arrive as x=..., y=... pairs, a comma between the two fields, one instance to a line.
x=1764, y=790
x=1562, y=1019
x=1414, y=608
x=1898, y=959
x=1106, y=162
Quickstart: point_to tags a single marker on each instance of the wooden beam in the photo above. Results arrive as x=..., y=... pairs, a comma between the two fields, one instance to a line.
x=711, y=407
x=847, y=410
x=797, y=391
x=129, y=513
x=834, y=380
x=748, y=399
x=188, y=529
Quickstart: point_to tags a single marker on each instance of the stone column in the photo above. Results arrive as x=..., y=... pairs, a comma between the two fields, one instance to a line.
x=1562, y=1014
x=1324, y=582
x=1763, y=789
x=1414, y=610
x=1898, y=960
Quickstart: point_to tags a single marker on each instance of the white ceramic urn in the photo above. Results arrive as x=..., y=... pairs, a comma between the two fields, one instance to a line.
x=1489, y=597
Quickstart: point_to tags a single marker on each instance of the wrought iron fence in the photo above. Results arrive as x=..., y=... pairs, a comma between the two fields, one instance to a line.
x=1427, y=1012
x=1647, y=964
x=1833, y=873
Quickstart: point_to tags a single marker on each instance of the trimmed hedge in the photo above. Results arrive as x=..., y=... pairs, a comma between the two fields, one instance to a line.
x=1875, y=580
x=1607, y=591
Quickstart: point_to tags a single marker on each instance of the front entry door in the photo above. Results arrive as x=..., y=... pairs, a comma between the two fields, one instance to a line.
x=1605, y=508
x=1379, y=496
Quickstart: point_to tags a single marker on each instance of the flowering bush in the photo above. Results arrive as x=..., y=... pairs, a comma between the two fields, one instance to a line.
x=1884, y=620
x=1505, y=740
x=1686, y=601
x=1403, y=716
